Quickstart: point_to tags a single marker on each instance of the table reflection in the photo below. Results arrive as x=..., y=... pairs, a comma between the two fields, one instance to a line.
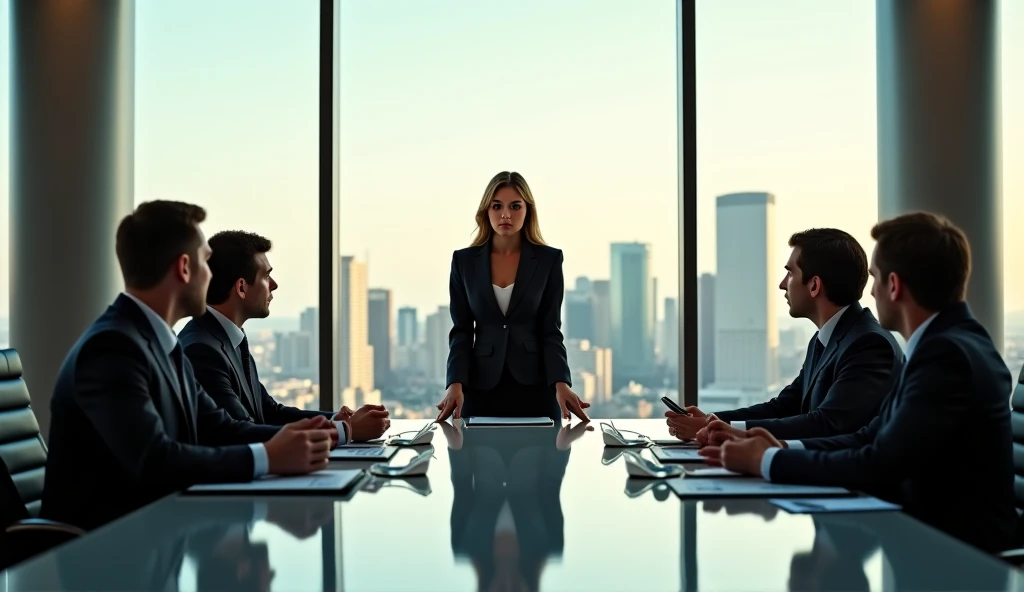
x=213, y=535
x=837, y=559
x=506, y=516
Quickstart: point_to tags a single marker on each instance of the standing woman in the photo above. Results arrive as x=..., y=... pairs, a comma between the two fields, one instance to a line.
x=506, y=357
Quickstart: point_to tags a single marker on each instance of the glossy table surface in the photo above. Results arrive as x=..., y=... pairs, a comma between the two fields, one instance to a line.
x=509, y=509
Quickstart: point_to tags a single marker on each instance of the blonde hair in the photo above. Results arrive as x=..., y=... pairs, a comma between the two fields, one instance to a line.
x=531, y=227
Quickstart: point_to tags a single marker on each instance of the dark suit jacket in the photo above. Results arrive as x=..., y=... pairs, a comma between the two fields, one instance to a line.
x=528, y=338
x=121, y=433
x=942, y=445
x=218, y=368
x=856, y=371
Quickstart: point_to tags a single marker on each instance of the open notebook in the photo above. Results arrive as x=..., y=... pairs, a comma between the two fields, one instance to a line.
x=326, y=481
x=687, y=487
x=509, y=421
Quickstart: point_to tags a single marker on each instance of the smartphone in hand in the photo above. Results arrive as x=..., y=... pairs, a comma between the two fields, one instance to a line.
x=674, y=406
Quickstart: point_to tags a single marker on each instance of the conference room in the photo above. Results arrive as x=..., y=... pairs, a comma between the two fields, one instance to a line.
x=636, y=180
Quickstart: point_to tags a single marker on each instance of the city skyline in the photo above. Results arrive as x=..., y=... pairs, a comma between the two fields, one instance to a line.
x=796, y=123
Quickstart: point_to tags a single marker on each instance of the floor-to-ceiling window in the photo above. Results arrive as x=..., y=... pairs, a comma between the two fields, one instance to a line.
x=786, y=141
x=1012, y=60
x=5, y=112
x=226, y=117
x=581, y=98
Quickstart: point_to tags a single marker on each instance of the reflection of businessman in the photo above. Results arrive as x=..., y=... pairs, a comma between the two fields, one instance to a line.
x=215, y=535
x=913, y=554
x=506, y=355
x=836, y=561
x=506, y=513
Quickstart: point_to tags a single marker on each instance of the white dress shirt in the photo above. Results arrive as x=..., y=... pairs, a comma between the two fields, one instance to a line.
x=824, y=336
x=915, y=338
x=503, y=296
x=168, y=340
x=235, y=335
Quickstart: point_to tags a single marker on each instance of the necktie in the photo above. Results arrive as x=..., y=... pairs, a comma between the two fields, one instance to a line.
x=243, y=349
x=819, y=348
x=179, y=369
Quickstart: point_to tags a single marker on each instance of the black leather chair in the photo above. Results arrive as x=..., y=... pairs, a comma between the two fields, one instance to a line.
x=22, y=467
x=1016, y=556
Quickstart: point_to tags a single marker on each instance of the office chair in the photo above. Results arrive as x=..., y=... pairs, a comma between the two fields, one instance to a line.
x=1016, y=556
x=22, y=468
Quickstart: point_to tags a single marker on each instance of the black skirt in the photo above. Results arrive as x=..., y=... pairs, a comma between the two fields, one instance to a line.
x=509, y=398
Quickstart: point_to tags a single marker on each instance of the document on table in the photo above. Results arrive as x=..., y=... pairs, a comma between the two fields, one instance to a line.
x=674, y=443
x=363, y=452
x=677, y=455
x=687, y=487
x=510, y=421
x=710, y=472
x=319, y=482
x=839, y=504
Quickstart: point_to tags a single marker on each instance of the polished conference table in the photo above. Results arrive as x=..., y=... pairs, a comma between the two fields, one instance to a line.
x=508, y=509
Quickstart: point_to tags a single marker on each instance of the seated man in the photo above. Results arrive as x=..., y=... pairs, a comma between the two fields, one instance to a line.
x=942, y=445
x=129, y=423
x=241, y=289
x=851, y=361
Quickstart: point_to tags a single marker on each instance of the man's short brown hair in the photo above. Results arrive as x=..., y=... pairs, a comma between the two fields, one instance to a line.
x=835, y=257
x=233, y=258
x=930, y=255
x=150, y=240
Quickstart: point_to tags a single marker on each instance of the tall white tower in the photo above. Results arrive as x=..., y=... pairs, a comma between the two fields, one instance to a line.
x=746, y=288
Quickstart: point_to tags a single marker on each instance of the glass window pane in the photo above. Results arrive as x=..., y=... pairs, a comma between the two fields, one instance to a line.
x=5, y=113
x=786, y=116
x=1012, y=39
x=580, y=97
x=226, y=117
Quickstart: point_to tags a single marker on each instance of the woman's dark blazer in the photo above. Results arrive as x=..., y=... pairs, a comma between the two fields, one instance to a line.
x=528, y=338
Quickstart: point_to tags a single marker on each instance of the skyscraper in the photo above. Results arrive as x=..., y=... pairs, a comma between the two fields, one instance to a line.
x=407, y=326
x=408, y=351
x=591, y=370
x=670, y=334
x=579, y=311
x=706, y=329
x=632, y=320
x=355, y=355
x=380, y=334
x=746, y=336
x=292, y=353
x=439, y=325
x=309, y=322
x=602, y=305
x=654, y=313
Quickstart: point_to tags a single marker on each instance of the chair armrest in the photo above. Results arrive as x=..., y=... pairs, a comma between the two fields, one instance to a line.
x=1014, y=557
x=27, y=538
x=41, y=525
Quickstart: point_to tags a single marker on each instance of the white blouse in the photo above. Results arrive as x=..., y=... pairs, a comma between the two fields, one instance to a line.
x=503, y=295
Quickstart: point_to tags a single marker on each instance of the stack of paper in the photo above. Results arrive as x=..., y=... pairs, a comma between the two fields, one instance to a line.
x=677, y=455
x=363, y=452
x=710, y=472
x=688, y=487
x=840, y=504
x=510, y=421
x=326, y=481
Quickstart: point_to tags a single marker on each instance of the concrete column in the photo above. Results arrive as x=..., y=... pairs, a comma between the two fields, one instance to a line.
x=939, y=145
x=72, y=113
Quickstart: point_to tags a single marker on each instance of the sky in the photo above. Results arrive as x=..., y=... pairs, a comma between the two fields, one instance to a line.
x=579, y=96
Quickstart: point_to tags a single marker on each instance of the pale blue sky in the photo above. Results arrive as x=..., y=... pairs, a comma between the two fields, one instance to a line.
x=578, y=95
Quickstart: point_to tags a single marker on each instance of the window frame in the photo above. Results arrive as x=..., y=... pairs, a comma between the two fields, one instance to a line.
x=329, y=198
